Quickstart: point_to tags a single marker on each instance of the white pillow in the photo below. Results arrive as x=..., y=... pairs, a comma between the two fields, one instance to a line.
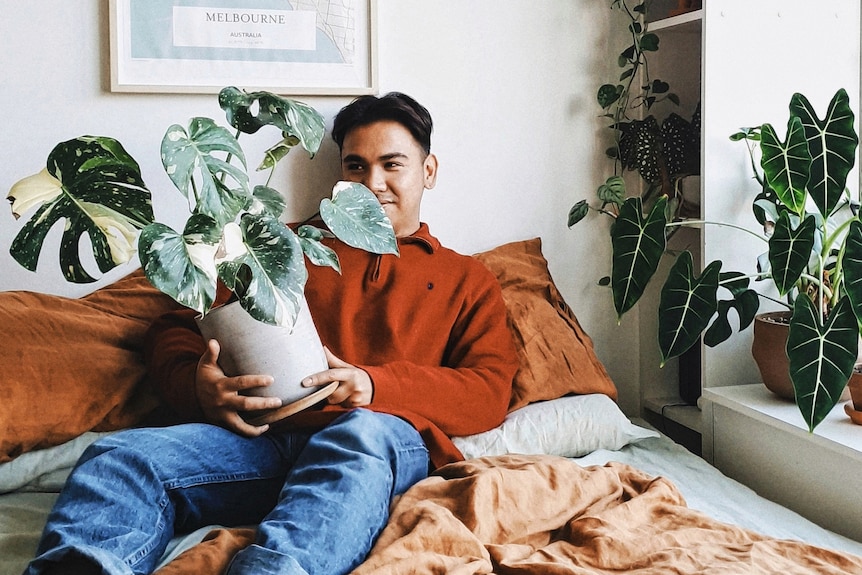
x=571, y=426
x=45, y=469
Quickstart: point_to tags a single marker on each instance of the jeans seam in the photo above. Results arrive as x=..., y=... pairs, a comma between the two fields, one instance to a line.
x=198, y=480
x=146, y=549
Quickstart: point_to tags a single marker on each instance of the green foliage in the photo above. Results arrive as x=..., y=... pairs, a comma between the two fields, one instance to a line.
x=822, y=352
x=687, y=305
x=661, y=152
x=96, y=187
x=814, y=239
x=638, y=243
x=233, y=232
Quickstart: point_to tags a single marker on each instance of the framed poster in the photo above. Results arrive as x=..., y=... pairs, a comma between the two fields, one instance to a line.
x=291, y=47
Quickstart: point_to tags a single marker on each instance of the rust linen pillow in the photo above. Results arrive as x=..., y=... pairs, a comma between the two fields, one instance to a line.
x=72, y=365
x=557, y=356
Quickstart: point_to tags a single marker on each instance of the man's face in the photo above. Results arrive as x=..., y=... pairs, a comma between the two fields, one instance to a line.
x=386, y=158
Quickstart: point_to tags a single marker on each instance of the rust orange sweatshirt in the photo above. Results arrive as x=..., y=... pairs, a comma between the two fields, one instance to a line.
x=429, y=327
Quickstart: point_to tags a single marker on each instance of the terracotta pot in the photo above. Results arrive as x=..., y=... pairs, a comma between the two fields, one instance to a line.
x=855, y=387
x=768, y=349
x=770, y=354
x=854, y=408
x=288, y=355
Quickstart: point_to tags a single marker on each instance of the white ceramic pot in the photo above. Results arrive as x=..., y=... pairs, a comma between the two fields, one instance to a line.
x=251, y=347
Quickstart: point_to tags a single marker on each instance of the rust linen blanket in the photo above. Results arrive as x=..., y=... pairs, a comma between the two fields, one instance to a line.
x=548, y=515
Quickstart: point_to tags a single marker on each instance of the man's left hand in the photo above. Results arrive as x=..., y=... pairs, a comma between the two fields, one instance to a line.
x=355, y=388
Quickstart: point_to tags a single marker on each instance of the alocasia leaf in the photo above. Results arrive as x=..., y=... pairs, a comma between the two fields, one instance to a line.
x=790, y=250
x=852, y=266
x=831, y=145
x=786, y=165
x=638, y=243
x=822, y=355
x=687, y=304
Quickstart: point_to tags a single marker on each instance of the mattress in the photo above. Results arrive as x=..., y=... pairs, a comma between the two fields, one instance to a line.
x=589, y=429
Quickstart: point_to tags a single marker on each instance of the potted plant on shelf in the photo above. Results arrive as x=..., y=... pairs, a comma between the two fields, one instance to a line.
x=662, y=152
x=233, y=233
x=814, y=259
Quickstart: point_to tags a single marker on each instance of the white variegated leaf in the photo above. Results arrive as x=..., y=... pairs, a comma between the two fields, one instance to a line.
x=33, y=191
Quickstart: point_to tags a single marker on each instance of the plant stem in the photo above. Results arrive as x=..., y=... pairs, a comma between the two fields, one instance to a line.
x=772, y=299
x=693, y=223
x=195, y=191
x=229, y=157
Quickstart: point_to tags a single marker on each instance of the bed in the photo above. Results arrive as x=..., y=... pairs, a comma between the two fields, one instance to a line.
x=567, y=484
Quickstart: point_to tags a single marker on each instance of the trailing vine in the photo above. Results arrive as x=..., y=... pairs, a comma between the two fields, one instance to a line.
x=661, y=152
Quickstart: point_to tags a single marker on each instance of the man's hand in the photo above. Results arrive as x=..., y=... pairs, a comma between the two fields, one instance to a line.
x=355, y=388
x=220, y=398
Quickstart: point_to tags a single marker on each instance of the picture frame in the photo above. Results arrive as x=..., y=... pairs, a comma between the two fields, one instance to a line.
x=289, y=47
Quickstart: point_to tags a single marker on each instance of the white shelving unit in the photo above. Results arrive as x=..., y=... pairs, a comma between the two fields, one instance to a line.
x=743, y=61
x=692, y=18
x=679, y=63
x=762, y=441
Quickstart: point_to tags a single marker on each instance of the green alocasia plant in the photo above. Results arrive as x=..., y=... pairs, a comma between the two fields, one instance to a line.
x=814, y=256
x=233, y=232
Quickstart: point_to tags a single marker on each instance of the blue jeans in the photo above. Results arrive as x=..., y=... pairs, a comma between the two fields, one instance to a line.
x=320, y=499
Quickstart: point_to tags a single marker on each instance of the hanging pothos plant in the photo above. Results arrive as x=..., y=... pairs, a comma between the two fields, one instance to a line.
x=662, y=152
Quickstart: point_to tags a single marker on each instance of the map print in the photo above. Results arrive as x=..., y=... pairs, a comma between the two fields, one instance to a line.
x=337, y=20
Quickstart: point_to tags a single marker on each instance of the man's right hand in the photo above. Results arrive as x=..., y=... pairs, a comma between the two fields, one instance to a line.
x=220, y=398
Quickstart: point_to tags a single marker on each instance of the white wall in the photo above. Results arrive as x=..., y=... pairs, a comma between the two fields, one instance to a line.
x=510, y=84
x=819, y=53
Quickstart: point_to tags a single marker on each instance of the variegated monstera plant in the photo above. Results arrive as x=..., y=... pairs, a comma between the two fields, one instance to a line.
x=233, y=232
x=814, y=258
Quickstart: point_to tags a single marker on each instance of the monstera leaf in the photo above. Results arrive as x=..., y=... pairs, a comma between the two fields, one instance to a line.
x=93, y=184
x=233, y=234
x=638, y=243
x=310, y=238
x=357, y=218
x=261, y=261
x=299, y=123
x=182, y=265
x=187, y=156
x=822, y=355
x=687, y=304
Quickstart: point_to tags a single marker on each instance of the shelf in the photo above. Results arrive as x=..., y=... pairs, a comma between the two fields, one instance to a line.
x=836, y=432
x=762, y=441
x=688, y=22
x=674, y=409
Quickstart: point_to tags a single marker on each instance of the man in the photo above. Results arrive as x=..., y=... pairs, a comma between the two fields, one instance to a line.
x=418, y=345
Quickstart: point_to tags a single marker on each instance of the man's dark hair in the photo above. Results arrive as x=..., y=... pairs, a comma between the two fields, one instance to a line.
x=394, y=106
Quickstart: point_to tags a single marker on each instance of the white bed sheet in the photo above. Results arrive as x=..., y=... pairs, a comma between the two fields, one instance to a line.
x=23, y=512
x=708, y=490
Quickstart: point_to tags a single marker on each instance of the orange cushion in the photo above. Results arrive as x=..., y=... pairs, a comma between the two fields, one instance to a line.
x=557, y=356
x=73, y=365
